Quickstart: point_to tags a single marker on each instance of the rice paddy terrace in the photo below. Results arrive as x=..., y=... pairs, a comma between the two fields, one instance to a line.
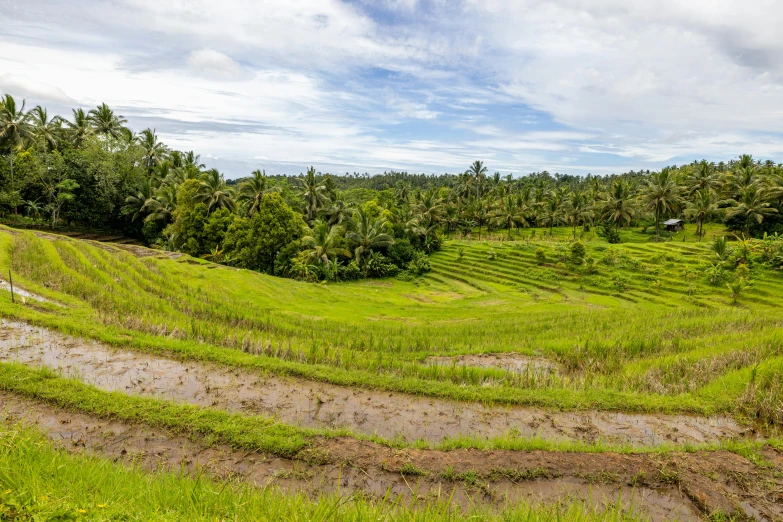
x=627, y=386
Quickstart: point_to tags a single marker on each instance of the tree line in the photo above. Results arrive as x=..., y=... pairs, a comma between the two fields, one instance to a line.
x=91, y=170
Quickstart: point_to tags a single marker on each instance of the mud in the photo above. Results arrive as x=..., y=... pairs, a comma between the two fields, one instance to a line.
x=662, y=487
x=511, y=362
x=315, y=404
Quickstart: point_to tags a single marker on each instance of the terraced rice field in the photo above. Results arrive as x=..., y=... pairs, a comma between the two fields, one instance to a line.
x=505, y=383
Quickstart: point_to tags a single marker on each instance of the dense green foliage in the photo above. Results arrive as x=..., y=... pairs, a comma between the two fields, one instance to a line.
x=94, y=172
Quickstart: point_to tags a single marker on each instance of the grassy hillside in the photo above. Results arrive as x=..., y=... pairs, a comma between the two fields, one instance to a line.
x=637, y=327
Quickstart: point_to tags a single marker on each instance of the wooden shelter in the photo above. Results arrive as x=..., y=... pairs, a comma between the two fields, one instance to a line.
x=674, y=225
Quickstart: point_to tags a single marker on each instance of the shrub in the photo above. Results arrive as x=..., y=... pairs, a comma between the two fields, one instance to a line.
x=350, y=272
x=420, y=263
x=609, y=233
x=540, y=255
x=376, y=265
x=401, y=252
x=578, y=252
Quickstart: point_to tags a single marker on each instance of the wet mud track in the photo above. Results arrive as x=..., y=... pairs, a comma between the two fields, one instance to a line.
x=314, y=404
x=683, y=486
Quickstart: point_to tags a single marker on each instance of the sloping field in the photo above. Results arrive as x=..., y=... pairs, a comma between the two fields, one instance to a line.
x=506, y=374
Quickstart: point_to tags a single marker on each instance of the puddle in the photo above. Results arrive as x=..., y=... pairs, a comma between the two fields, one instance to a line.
x=598, y=480
x=511, y=362
x=314, y=404
x=23, y=294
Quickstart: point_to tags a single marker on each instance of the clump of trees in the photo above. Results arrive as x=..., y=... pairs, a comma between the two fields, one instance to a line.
x=90, y=170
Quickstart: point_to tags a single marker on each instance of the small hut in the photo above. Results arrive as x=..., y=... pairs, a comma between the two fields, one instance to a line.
x=674, y=225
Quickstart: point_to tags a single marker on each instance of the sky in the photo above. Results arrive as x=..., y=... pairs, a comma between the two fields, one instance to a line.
x=569, y=86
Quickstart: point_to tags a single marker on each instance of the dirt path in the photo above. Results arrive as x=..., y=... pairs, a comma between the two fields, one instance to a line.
x=677, y=486
x=314, y=404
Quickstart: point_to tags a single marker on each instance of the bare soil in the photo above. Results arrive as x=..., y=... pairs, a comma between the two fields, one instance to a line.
x=316, y=404
x=683, y=486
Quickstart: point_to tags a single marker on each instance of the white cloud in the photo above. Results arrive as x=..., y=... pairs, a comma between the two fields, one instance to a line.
x=214, y=64
x=25, y=87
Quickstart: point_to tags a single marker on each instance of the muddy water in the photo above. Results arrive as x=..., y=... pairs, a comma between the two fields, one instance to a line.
x=23, y=294
x=512, y=362
x=314, y=404
x=359, y=468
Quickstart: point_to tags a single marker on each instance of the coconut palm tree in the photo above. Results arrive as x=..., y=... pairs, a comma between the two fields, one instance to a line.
x=478, y=211
x=619, y=206
x=700, y=207
x=702, y=177
x=214, y=191
x=154, y=151
x=661, y=195
x=478, y=172
x=105, y=122
x=550, y=212
x=508, y=213
x=161, y=206
x=138, y=202
x=753, y=205
x=80, y=128
x=368, y=234
x=321, y=243
x=338, y=212
x=312, y=192
x=577, y=209
x=43, y=130
x=14, y=128
x=252, y=190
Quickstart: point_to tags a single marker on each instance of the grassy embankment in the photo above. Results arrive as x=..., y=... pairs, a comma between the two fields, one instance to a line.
x=38, y=482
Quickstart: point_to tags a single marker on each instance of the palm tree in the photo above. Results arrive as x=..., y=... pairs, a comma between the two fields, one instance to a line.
x=215, y=192
x=509, y=213
x=702, y=177
x=44, y=131
x=478, y=171
x=14, y=128
x=403, y=191
x=252, y=190
x=80, y=129
x=619, y=206
x=338, y=212
x=700, y=208
x=752, y=204
x=478, y=211
x=162, y=204
x=312, y=191
x=154, y=151
x=577, y=209
x=33, y=209
x=321, y=243
x=139, y=202
x=369, y=235
x=550, y=212
x=661, y=195
x=105, y=122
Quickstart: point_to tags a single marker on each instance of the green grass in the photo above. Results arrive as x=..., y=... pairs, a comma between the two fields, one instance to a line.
x=38, y=482
x=645, y=331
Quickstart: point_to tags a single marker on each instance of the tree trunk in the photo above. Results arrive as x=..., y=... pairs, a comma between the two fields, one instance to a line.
x=657, y=224
x=11, y=163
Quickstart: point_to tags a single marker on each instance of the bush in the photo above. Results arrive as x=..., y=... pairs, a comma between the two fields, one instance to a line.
x=350, y=272
x=578, y=252
x=376, y=265
x=540, y=255
x=401, y=252
x=420, y=264
x=609, y=233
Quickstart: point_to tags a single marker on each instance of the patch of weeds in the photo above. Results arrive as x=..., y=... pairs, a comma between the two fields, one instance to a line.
x=669, y=476
x=314, y=456
x=601, y=477
x=520, y=475
x=409, y=469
